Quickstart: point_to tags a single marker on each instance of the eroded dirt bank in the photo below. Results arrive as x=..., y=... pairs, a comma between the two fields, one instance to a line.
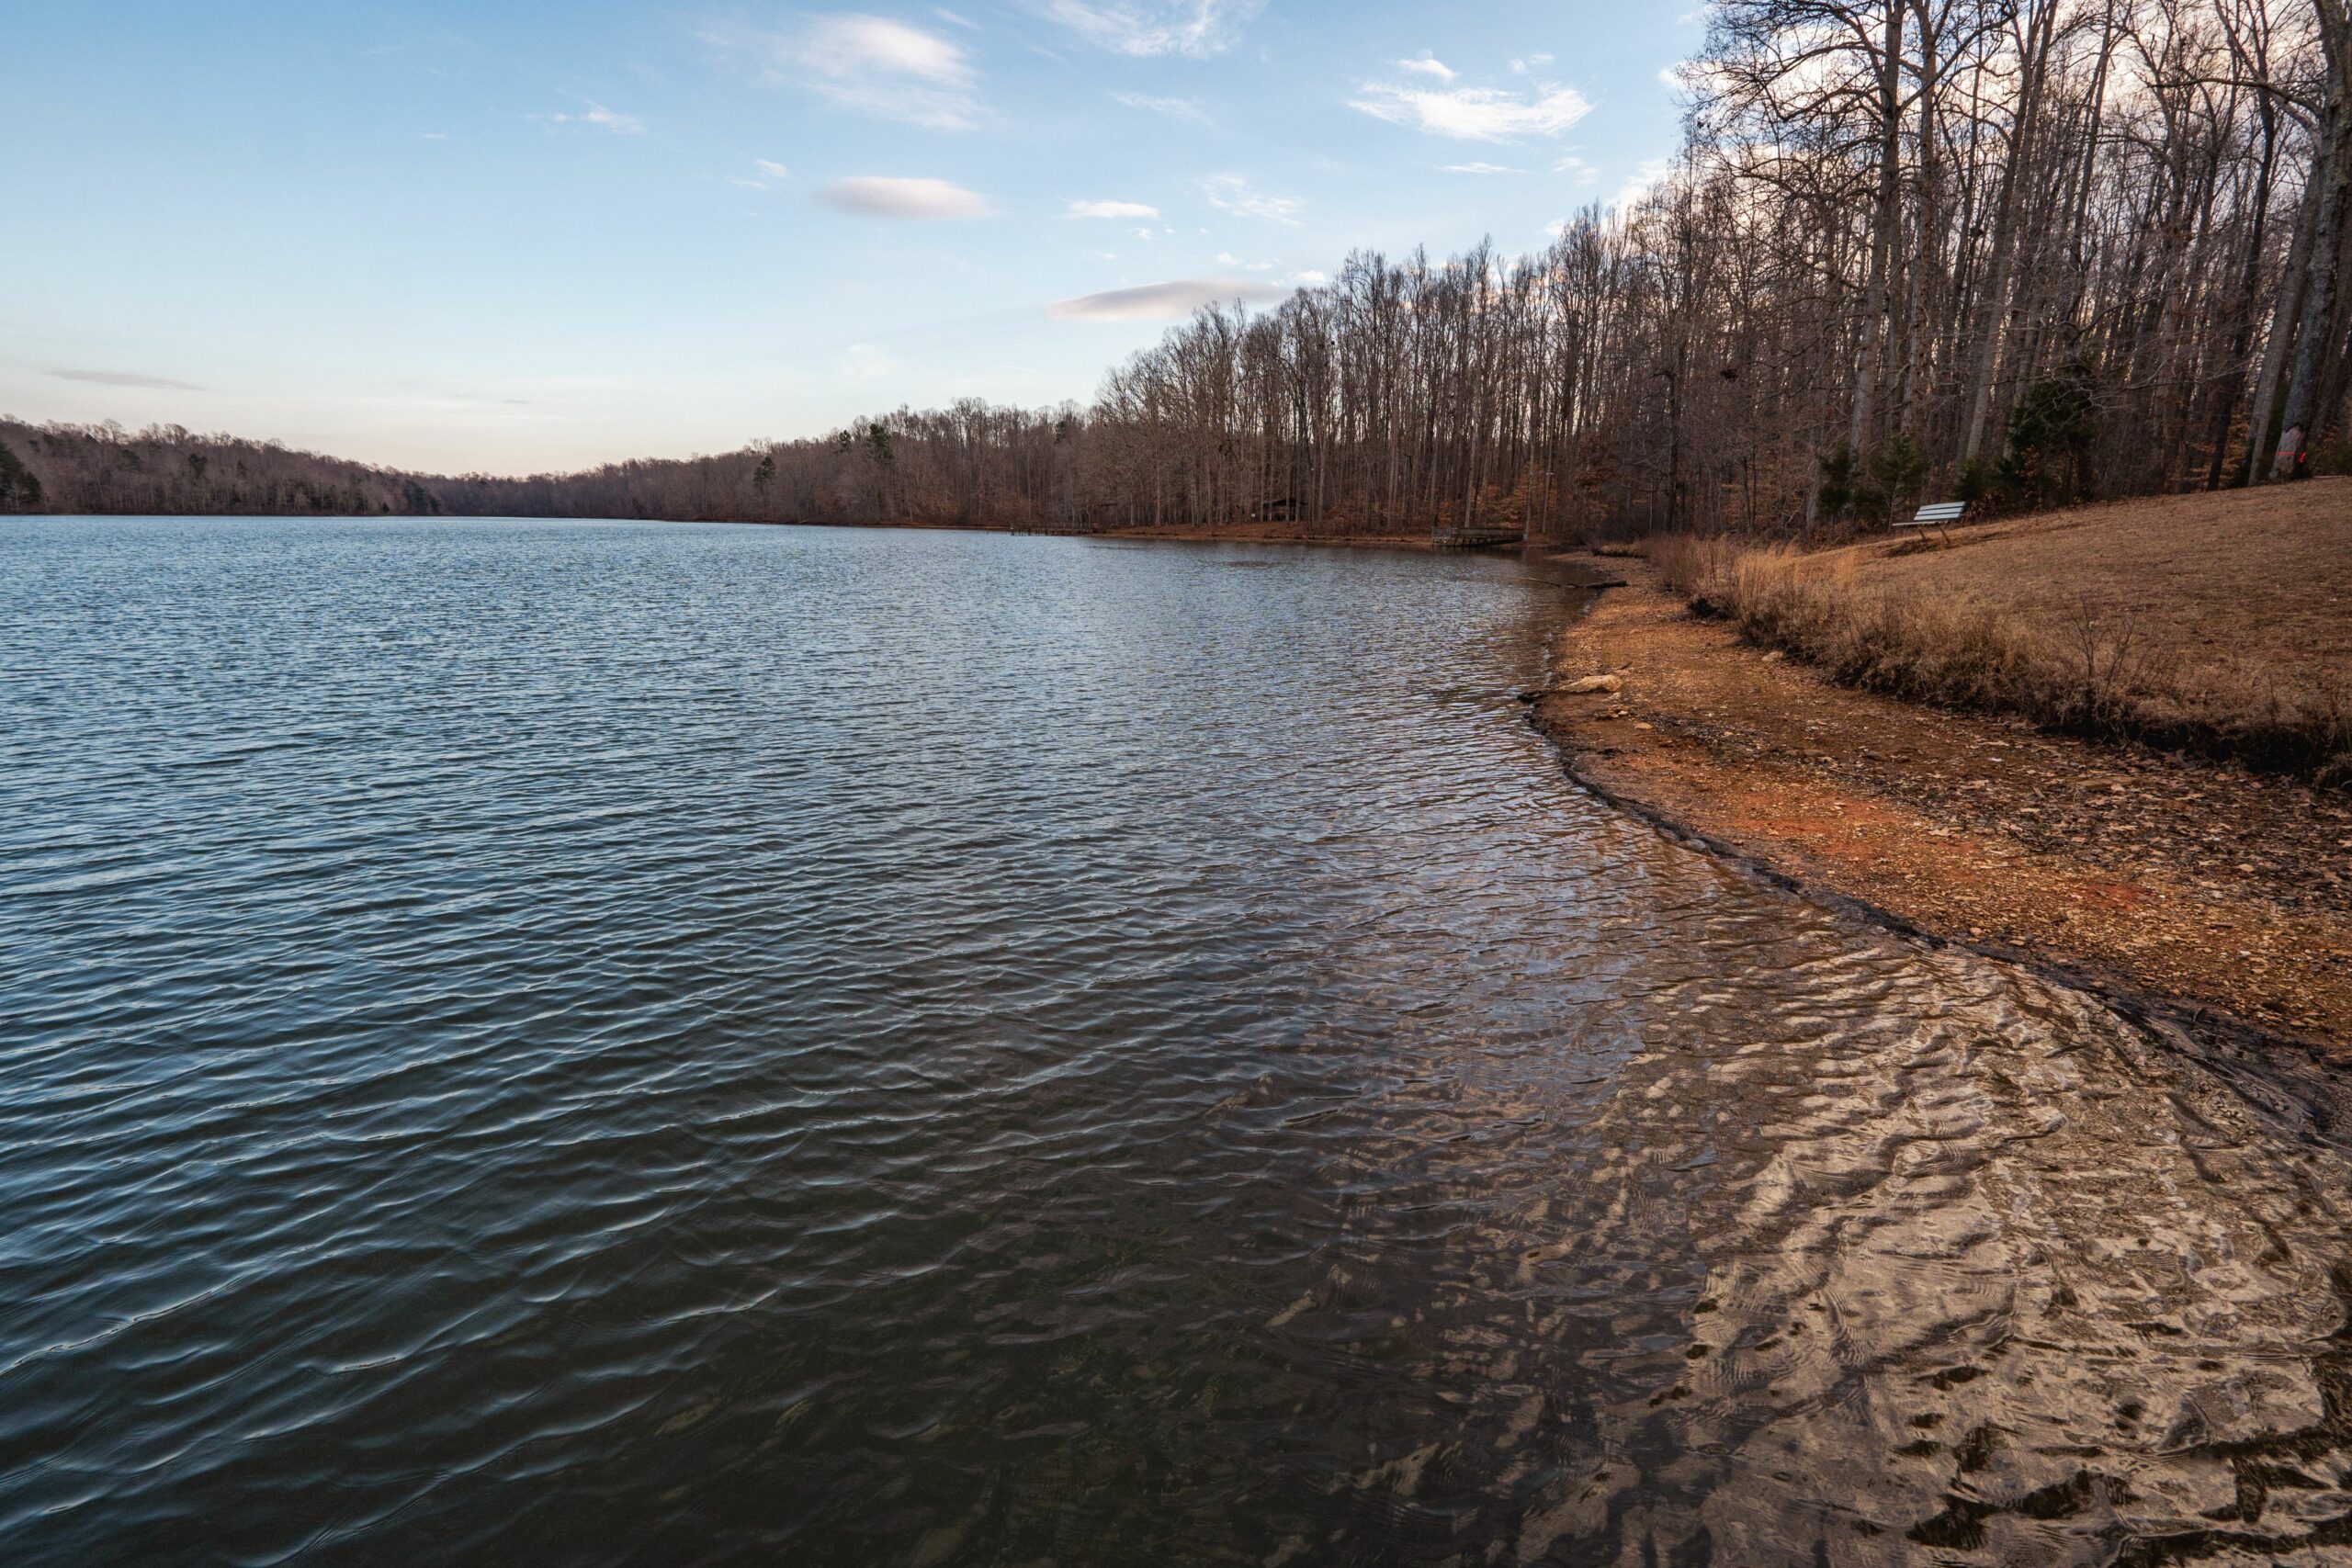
x=2227, y=892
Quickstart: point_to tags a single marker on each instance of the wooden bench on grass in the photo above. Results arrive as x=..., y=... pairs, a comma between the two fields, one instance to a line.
x=1941, y=517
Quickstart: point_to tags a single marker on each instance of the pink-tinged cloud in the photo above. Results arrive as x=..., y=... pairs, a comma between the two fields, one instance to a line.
x=878, y=196
x=125, y=379
x=1167, y=301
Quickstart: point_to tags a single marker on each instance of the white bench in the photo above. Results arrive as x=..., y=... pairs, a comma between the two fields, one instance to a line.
x=1938, y=517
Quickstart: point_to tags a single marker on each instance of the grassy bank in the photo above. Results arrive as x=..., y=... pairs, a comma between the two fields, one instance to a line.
x=2220, y=625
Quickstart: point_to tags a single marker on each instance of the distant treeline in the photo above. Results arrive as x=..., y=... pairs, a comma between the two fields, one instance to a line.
x=163, y=469
x=971, y=465
x=2024, y=251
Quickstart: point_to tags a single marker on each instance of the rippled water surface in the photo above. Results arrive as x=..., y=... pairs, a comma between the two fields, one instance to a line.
x=597, y=1043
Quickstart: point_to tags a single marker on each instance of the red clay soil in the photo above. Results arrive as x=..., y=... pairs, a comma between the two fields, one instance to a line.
x=2226, y=893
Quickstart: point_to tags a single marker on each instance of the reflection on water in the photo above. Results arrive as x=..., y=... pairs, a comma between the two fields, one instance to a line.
x=613, y=1044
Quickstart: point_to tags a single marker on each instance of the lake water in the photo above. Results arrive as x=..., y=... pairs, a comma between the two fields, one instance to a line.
x=582, y=1043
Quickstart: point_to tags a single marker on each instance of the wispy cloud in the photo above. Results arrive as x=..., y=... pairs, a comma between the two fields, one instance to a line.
x=878, y=196
x=1474, y=114
x=1196, y=27
x=870, y=64
x=1162, y=301
x=1642, y=181
x=1231, y=193
x=864, y=362
x=126, y=379
x=1111, y=210
x=1174, y=108
x=771, y=174
x=596, y=114
x=1476, y=169
x=1427, y=64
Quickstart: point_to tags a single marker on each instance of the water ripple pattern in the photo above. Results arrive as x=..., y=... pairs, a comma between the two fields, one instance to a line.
x=606, y=1044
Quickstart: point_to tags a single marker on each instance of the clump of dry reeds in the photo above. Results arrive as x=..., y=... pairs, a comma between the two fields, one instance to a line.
x=1692, y=566
x=2086, y=672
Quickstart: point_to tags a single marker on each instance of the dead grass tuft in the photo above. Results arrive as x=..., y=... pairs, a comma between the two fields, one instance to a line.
x=1692, y=567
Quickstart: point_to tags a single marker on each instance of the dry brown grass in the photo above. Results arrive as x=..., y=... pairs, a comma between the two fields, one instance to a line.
x=1691, y=566
x=2220, y=625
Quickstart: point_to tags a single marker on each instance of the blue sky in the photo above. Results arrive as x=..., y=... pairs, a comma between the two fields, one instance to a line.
x=510, y=238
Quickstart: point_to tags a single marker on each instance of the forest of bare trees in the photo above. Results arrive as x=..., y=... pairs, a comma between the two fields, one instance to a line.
x=167, y=469
x=2020, y=251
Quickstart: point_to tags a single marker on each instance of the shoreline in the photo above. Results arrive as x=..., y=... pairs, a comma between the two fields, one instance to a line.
x=1209, y=536
x=1218, y=534
x=2172, y=888
x=1255, y=536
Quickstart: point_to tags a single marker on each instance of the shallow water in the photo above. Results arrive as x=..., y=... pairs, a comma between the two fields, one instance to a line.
x=600, y=1043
